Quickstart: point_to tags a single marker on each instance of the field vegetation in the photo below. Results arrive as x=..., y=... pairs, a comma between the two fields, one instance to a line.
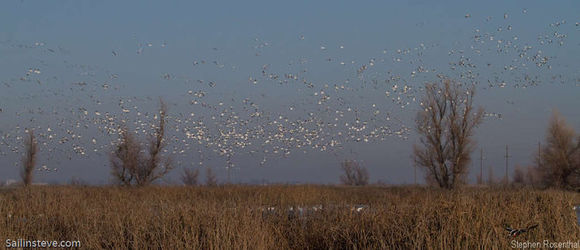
x=270, y=217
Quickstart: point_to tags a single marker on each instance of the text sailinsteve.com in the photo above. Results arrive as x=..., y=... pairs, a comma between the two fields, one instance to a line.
x=21, y=243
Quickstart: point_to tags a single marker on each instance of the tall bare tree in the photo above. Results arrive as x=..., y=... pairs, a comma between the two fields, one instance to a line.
x=154, y=167
x=29, y=159
x=446, y=125
x=130, y=167
x=354, y=174
x=559, y=161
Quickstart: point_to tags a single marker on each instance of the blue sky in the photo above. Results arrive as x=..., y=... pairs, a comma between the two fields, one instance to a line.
x=60, y=59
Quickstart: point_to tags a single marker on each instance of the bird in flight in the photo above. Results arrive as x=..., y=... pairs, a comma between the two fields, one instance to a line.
x=515, y=232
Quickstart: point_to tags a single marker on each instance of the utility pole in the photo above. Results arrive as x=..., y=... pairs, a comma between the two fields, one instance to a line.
x=506, y=164
x=415, y=167
x=414, y=159
x=539, y=154
x=480, y=166
x=229, y=182
x=229, y=162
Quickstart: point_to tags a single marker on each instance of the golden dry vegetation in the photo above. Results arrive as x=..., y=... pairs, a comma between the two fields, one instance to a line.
x=237, y=217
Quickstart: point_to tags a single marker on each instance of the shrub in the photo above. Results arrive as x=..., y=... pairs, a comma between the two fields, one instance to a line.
x=354, y=174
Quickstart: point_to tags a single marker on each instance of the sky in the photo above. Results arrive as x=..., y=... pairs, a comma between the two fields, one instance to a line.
x=277, y=91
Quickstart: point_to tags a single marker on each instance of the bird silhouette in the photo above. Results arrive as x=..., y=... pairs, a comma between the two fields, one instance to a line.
x=515, y=232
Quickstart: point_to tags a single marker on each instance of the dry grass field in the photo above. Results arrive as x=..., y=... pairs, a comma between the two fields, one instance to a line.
x=251, y=217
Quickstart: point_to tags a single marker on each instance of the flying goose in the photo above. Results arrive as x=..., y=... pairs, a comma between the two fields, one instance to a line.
x=515, y=232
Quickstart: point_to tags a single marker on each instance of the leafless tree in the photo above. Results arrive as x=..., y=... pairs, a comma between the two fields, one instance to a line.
x=519, y=176
x=29, y=159
x=125, y=160
x=446, y=125
x=533, y=176
x=75, y=181
x=210, y=178
x=491, y=180
x=131, y=167
x=189, y=177
x=354, y=174
x=559, y=163
x=154, y=166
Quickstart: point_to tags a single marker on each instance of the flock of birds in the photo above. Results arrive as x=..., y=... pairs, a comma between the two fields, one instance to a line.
x=275, y=111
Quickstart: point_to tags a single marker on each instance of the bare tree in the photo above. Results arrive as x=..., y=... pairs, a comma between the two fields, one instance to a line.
x=130, y=167
x=75, y=181
x=29, y=159
x=559, y=163
x=125, y=160
x=527, y=176
x=210, y=178
x=354, y=174
x=154, y=167
x=519, y=176
x=189, y=177
x=491, y=180
x=446, y=125
x=533, y=176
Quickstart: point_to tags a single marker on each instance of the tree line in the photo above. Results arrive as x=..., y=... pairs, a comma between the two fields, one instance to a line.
x=445, y=123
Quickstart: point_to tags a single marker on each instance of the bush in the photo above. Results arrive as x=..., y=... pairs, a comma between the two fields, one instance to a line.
x=189, y=177
x=354, y=174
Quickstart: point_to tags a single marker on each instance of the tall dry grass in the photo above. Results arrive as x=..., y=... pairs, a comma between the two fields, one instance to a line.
x=229, y=217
